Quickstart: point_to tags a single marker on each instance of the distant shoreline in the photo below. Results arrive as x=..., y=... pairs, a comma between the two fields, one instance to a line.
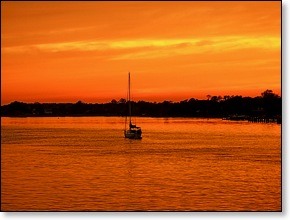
x=264, y=108
x=79, y=116
x=277, y=120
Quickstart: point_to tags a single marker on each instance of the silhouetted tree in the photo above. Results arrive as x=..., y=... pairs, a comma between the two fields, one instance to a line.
x=226, y=97
x=268, y=94
x=114, y=101
x=272, y=103
x=214, y=98
x=122, y=100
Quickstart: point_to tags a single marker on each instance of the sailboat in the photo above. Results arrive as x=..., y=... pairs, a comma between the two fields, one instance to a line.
x=133, y=132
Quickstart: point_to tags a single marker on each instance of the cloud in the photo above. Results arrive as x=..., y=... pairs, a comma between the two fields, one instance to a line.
x=203, y=46
x=154, y=48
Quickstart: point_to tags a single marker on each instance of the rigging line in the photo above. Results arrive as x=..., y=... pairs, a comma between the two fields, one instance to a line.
x=134, y=111
x=126, y=105
x=129, y=83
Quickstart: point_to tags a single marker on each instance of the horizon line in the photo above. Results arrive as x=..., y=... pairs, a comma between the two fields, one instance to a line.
x=118, y=101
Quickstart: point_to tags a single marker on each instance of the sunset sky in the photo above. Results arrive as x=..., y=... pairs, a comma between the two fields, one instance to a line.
x=70, y=51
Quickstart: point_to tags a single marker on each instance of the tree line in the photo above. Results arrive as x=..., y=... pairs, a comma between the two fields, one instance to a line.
x=267, y=105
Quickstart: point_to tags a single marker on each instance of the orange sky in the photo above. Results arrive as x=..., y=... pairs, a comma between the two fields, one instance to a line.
x=70, y=51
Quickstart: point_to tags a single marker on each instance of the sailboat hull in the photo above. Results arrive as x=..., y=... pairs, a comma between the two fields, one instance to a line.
x=133, y=134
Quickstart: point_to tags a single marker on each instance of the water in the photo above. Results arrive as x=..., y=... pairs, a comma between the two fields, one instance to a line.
x=85, y=163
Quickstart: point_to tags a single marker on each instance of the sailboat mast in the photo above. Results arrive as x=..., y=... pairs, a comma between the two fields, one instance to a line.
x=129, y=101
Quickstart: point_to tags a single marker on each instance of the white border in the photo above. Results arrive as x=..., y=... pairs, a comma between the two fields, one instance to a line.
x=198, y=215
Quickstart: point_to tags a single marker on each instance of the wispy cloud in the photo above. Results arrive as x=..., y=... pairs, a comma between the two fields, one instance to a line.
x=169, y=48
x=154, y=48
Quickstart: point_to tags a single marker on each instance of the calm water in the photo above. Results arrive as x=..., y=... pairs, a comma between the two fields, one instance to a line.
x=85, y=163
